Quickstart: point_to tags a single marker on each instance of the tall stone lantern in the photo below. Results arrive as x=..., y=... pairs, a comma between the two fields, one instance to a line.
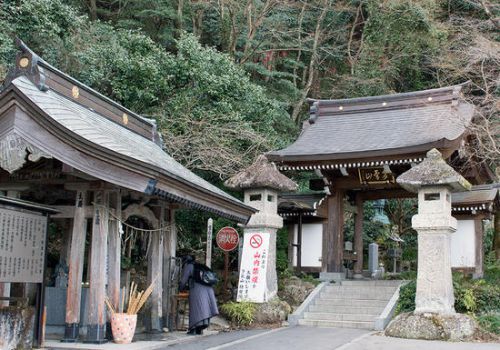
x=434, y=180
x=261, y=183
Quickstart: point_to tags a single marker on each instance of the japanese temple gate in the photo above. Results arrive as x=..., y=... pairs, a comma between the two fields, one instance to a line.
x=65, y=145
x=358, y=147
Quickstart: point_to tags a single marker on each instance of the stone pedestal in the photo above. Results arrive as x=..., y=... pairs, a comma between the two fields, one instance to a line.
x=434, y=281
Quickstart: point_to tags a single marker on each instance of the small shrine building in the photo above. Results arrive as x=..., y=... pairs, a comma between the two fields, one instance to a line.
x=99, y=165
x=358, y=147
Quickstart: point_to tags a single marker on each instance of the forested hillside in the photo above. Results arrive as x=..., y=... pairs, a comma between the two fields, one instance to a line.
x=228, y=79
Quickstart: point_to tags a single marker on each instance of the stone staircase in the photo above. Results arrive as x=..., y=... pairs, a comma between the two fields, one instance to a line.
x=349, y=304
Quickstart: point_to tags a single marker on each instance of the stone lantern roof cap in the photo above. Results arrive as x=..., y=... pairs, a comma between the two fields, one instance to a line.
x=433, y=171
x=261, y=174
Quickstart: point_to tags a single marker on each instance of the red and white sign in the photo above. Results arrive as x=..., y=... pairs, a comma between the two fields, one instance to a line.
x=252, y=284
x=227, y=239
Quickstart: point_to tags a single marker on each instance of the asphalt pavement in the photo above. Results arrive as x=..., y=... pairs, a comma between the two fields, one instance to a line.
x=312, y=338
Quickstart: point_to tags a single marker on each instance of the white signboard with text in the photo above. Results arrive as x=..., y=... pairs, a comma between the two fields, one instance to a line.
x=252, y=284
x=22, y=246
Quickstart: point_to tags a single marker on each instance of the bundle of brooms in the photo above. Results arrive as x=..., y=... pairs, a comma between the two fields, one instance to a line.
x=136, y=300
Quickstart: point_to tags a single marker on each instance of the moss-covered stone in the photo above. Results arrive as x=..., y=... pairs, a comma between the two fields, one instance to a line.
x=456, y=327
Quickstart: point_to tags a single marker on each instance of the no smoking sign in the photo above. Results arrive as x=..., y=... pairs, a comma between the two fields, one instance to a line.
x=256, y=241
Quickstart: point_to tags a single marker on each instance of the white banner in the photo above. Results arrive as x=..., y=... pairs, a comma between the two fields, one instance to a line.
x=22, y=246
x=252, y=284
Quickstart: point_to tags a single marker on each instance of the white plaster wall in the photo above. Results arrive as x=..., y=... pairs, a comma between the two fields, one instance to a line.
x=463, y=245
x=312, y=242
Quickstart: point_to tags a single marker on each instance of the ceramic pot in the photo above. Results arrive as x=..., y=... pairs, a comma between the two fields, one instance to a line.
x=123, y=327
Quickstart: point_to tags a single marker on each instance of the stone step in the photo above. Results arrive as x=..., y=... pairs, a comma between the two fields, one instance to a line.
x=382, y=283
x=351, y=302
x=374, y=295
x=360, y=288
x=339, y=317
x=342, y=309
x=337, y=324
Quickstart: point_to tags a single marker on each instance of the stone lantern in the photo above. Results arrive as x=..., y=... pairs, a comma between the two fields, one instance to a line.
x=433, y=180
x=261, y=183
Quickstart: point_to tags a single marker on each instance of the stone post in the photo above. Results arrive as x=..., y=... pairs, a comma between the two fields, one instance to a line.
x=372, y=257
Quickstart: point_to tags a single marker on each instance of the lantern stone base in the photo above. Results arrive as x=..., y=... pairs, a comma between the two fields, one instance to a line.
x=456, y=327
x=434, y=281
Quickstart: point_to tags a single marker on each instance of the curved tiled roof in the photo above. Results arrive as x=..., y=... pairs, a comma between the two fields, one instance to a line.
x=105, y=133
x=382, y=125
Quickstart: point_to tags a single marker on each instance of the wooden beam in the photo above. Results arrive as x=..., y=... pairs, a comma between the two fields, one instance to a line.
x=75, y=263
x=291, y=229
x=155, y=275
x=68, y=211
x=6, y=286
x=169, y=248
x=299, y=242
x=478, y=234
x=64, y=254
x=96, y=329
x=335, y=232
x=114, y=250
x=90, y=185
x=324, y=247
x=358, y=237
x=386, y=194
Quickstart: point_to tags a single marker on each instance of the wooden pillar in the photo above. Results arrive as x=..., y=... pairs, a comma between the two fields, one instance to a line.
x=5, y=287
x=66, y=242
x=169, y=249
x=291, y=245
x=155, y=275
x=114, y=250
x=75, y=264
x=478, y=232
x=96, y=329
x=299, y=243
x=335, y=232
x=358, y=237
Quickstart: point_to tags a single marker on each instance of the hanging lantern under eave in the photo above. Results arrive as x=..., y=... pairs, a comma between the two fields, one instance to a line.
x=380, y=215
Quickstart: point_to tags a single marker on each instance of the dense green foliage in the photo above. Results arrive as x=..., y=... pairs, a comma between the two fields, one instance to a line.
x=406, y=302
x=480, y=297
x=490, y=322
x=212, y=116
x=242, y=313
x=227, y=80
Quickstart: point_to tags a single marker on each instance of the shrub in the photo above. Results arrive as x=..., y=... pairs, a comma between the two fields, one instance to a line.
x=490, y=322
x=405, y=275
x=242, y=313
x=406, y=302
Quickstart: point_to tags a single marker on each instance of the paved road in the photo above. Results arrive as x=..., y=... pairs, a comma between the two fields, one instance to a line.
x=310, y=338
x=299, y=338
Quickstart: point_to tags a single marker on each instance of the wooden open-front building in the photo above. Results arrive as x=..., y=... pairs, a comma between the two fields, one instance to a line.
x=99, y=164
x=358, y=147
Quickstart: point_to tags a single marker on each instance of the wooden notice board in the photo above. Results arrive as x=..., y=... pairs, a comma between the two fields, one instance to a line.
x=22, y=245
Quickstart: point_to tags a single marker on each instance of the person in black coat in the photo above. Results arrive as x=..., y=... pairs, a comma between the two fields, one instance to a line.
x=202, y=302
